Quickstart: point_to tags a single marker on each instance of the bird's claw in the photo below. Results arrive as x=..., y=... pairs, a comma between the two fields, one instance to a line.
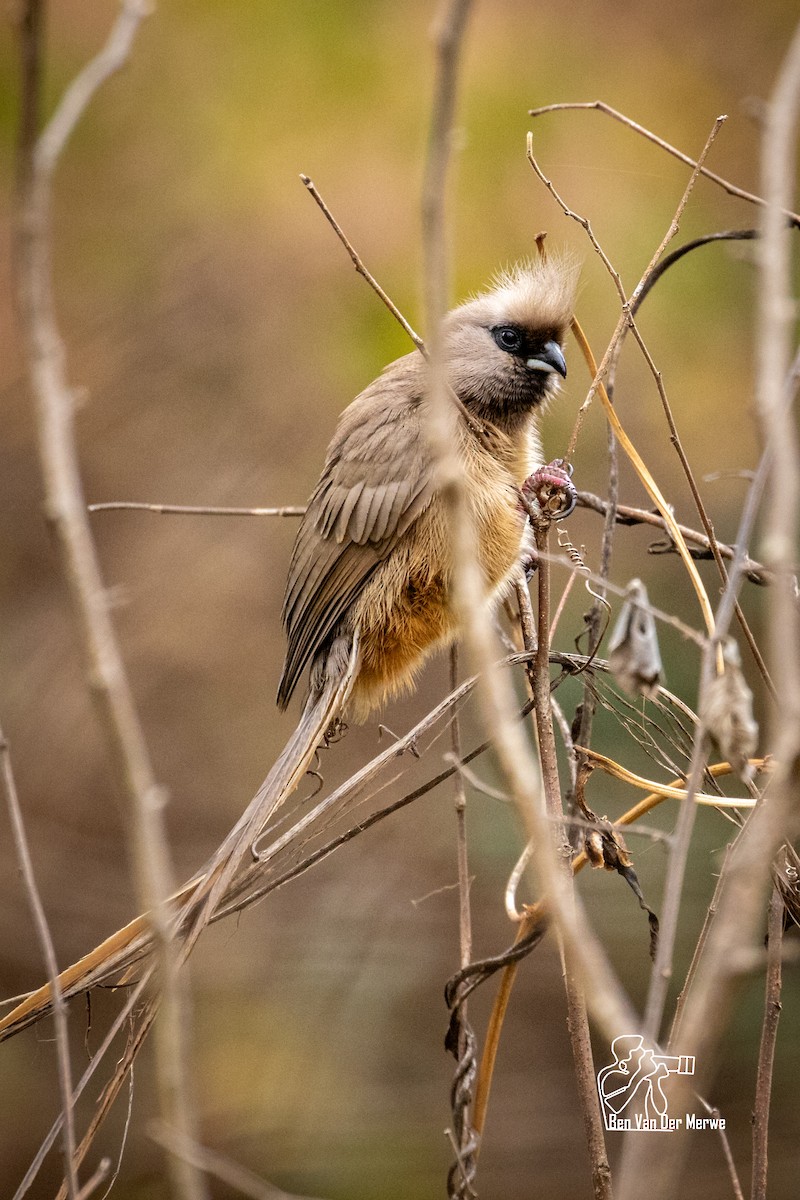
x=552, y=488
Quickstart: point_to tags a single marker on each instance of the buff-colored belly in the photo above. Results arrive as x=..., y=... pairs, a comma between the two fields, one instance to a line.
x=406, y=609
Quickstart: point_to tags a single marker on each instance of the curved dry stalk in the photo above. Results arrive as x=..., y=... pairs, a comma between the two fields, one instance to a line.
x=648, y=785
x=650, y=485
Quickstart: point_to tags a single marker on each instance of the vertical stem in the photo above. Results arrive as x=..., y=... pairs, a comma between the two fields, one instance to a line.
x=66, y=510
x=577, y=1017
x=766, y=1053
x=443, y=434
x=464, y=914
x=462, y=1091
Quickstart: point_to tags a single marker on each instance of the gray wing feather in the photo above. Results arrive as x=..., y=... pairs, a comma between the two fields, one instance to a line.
x=376, y=482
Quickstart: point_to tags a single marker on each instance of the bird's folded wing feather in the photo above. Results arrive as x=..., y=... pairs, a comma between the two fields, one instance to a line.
x=376, y=482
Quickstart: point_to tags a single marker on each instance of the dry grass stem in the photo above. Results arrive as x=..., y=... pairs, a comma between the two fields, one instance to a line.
x=648, y=785
x=122, y=1017
x=650, y=485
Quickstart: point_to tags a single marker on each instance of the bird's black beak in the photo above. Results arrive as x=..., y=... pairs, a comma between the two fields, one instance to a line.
x=550, y=359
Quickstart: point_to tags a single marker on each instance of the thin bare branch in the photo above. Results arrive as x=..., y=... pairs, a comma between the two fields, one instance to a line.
x=464, y=915
x=228, y=1172
x=359, y=265
x=112, y=1089
x=711, y=913
x=626, y=514
x=196, y=510
x=464, y=1049
x=715, y=1114
x=51, y=966
x=600, y=106
x=706, y=239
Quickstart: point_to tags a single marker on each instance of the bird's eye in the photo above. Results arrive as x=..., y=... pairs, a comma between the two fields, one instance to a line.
x=507, y=338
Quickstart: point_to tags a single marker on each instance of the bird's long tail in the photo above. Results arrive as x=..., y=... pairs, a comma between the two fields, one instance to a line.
x=194, y=905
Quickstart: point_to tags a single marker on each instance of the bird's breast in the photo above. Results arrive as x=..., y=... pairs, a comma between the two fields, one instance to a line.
x=407, y=608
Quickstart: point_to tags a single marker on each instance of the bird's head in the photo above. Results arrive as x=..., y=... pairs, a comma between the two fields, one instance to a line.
x=505, y=348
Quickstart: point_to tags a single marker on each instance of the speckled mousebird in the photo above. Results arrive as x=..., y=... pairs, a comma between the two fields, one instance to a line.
x=372, y=558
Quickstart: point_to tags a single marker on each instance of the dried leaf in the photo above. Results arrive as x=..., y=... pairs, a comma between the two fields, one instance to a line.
x=604, y=846
x=593, y=848
x=633, y=653
x=728, y=711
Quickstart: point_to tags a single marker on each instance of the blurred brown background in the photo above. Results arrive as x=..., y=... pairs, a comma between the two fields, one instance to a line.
x=215, y=328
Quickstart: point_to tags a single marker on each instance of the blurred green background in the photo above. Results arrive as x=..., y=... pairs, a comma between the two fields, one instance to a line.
x=215, y=329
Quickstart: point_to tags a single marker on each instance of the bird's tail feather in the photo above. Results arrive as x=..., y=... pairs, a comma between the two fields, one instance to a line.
x=194, y=905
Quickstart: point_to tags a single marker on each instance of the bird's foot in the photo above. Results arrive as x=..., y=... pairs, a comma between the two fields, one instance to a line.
x=551, y=492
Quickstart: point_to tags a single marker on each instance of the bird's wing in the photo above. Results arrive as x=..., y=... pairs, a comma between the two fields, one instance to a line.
x=376, y=482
